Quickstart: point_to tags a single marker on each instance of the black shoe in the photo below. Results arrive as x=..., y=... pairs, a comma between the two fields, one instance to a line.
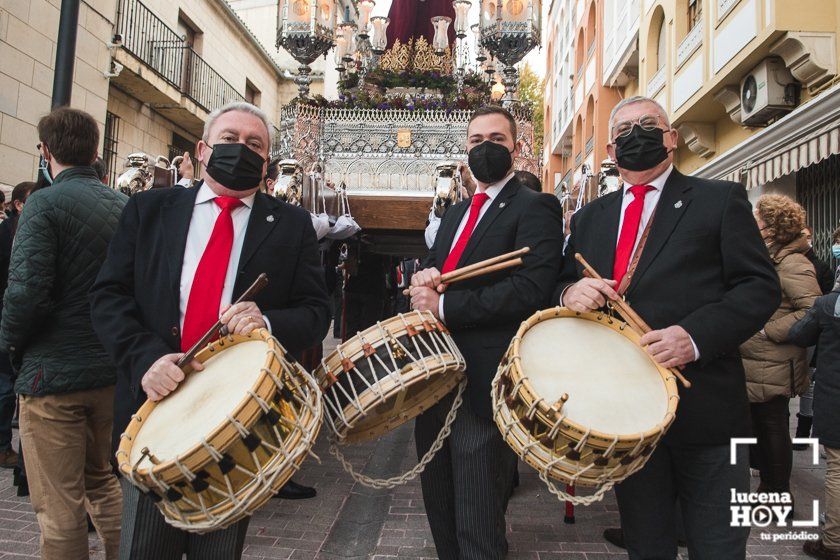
x=803, y=430
x=294, y=491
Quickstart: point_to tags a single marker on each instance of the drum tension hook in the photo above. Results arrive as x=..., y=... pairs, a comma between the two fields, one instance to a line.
x=556, y=407
x=146, y=453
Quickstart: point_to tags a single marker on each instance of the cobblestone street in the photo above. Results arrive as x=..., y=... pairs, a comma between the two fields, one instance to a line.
x=348, y=521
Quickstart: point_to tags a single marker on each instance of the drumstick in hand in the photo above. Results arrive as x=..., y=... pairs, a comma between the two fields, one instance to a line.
x=493, y=264
x=260, y=283
x=632, y=318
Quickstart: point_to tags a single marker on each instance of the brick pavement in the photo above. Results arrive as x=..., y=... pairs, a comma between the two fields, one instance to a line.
x=350, y=522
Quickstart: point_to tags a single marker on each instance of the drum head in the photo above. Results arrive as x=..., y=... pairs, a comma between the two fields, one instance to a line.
x=201, y=403
x=614, y=387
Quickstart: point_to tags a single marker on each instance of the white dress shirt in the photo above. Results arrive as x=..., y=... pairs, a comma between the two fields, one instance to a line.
x=201, y=226
x=492, y=191
x=651, y=199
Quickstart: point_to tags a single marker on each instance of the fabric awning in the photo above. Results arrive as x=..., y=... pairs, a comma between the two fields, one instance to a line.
x=800, y=152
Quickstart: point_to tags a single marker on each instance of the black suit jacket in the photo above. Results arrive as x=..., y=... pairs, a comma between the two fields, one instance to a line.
x=705, y=268
x=135, y=300
x=484, y=313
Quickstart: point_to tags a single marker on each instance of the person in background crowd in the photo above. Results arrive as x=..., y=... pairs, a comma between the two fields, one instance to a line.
x=223, y=235
x=467, y=190
x=835, y=252
x=821, y=326
x=529, y=180
x=704, y=282
x=775, y=370
x=8, y=401
x=5, y=207
x=825, y=278
x=101, y=170
x=65, y=378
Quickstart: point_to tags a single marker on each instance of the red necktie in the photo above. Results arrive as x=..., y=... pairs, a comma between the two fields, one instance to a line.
x=209, y=280
x=629, y=231
x=451, y=262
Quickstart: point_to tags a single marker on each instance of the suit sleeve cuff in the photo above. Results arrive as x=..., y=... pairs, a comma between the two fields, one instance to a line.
x=696, y=350
x=563, y=293
x=440, y=308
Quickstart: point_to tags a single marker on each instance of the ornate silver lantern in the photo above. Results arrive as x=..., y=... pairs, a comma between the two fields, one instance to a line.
x=462, y=10
x=440, y=41
x=379, y=42
x=306, y=28
x=509, y=30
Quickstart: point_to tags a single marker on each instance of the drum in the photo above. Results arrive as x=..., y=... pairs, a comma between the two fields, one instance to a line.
x=578, y=399
x=387, y=375
x=228, y=438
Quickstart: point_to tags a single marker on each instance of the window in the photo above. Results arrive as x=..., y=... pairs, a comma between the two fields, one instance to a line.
x=192, y=41
x=695, y=13
x=661, y=46
x=109, y=150
x=252, y=94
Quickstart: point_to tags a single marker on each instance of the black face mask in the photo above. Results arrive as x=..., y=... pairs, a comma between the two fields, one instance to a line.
x=236, y=166
x=489, y=162
x=641, y=149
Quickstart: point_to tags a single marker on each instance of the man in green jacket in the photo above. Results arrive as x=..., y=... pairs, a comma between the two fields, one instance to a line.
x=65, y=378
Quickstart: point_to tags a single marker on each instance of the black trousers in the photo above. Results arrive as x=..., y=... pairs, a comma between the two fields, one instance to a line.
x=146, y=536
x=701, y=479
x=466, y=485
x=773, y=453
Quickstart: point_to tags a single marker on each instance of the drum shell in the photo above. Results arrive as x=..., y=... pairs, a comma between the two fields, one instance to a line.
x=411, y=352
x=180, y=508
x=548, y=441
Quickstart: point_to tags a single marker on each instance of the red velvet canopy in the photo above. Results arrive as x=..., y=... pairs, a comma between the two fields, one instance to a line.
x=413, y=18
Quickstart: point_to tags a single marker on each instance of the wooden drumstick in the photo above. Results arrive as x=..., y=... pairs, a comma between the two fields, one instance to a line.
x=493, y=264
x=451, y=276
x=255, y=288
x=632, y=318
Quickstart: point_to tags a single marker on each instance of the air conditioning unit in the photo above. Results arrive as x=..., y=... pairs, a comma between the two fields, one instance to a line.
x=767, y=91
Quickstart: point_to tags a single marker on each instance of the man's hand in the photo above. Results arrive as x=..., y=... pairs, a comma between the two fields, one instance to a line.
x=428, y=278
x=425, y=299
x=186, y=169
x=242, y=318
x=589, y=294
x=164, y=376
x=670, y=347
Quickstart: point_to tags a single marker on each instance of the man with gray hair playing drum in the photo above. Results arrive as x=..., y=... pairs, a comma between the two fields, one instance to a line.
x=688, y=257
x=179, y=258
x=467, y=484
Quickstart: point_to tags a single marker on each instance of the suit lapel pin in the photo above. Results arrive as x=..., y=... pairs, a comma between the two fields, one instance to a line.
x=269, y=218
x=502, y=204
x=678, y=204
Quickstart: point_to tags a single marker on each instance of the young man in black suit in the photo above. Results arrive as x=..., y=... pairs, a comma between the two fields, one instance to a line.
x=466, y=486
x=687, y=255
x=177, y=261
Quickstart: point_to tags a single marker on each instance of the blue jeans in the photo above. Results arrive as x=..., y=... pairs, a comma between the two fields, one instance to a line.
x=7, y=401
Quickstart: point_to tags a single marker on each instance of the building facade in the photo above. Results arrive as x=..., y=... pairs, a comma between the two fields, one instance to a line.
x=578, y=102
x=751, y=85
x=149, y=71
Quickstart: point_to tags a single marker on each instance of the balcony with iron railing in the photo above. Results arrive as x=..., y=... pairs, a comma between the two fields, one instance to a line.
x=182, y=86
